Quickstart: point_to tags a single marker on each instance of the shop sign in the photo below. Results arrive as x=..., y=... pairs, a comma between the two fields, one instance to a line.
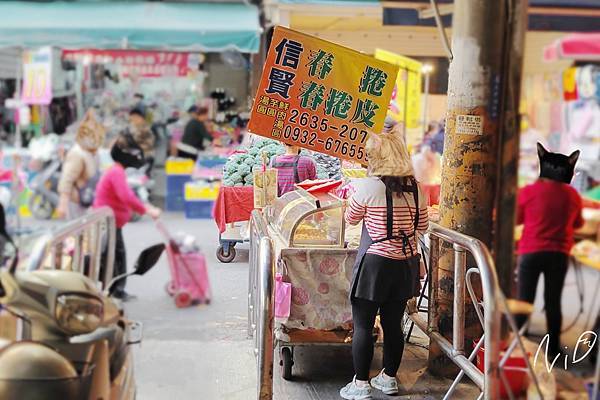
x=147, y=64
x=321, y=96
x=37, y=76
x=405, y=104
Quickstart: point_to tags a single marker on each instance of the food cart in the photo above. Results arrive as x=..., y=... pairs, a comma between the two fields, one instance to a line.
x=308, y=240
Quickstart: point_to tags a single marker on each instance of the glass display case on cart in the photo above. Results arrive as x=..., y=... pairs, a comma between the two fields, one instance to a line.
x=306, y=220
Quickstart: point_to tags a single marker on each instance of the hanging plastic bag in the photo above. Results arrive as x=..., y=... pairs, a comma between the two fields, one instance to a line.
x=283, y=297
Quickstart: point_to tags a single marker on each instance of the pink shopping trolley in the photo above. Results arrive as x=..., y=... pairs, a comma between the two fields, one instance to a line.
x=189, y=282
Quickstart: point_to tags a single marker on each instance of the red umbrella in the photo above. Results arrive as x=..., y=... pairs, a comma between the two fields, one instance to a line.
x=576, y=46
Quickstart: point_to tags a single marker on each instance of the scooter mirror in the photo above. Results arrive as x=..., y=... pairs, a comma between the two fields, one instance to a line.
x=148, y=258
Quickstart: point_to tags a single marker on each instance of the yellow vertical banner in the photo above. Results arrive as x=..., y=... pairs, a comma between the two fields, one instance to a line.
x=405, y=105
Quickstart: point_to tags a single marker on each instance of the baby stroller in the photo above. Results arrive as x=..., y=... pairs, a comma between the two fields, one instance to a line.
x=189, y=282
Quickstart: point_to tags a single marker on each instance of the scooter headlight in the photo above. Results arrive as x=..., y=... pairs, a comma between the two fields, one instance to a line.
x=77, y=314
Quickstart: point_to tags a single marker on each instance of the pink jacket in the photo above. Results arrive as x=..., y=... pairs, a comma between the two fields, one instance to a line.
x=112, y=191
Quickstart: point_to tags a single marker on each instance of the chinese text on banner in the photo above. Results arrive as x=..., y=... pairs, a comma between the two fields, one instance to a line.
x=321, y=96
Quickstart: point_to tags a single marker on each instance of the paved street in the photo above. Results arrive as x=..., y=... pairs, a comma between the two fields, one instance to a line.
x=199, y=352
x=203, y=352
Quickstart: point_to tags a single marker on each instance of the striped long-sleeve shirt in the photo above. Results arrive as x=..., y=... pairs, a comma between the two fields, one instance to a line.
x=285, y=175
x=368, y=204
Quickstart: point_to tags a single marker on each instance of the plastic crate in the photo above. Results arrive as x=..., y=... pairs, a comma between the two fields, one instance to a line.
x=199, y=209
x=201, y=191
x=174, y=202
x=210, y=162
x=176, y=184
x=179, y=166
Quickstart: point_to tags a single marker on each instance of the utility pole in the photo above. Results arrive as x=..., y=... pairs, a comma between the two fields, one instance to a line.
x=484, y=47
x=508, y=157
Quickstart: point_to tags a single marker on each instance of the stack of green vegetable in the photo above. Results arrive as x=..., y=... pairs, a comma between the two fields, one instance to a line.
x=239, y=167
x=328, y=167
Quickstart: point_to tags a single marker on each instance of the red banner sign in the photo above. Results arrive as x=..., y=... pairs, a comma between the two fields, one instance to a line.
x=149, y=64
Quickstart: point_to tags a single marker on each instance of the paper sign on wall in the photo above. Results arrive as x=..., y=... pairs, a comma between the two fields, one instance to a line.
x=37, y=76
x=469, y=124
x=321, y=96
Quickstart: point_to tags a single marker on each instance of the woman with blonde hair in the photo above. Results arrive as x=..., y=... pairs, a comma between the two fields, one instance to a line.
x=386, y=273
x=81, y=169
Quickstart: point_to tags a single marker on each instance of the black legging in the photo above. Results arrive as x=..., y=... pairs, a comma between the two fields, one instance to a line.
x=363, y=314
x=554, y=266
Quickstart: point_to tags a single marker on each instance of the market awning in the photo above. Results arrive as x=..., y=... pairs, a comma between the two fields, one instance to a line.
x=136, y=25
x=577, y=46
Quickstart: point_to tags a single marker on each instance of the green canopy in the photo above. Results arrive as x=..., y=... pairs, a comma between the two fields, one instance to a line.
x=135, y=25
x=355, y=3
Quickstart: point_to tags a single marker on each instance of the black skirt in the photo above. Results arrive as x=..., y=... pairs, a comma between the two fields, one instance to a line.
x=383, y=280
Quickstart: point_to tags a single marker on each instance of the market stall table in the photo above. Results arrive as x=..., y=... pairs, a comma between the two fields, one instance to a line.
x=232, y=207
x=587, y=254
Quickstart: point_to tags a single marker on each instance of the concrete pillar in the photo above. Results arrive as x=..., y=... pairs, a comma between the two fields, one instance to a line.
x=482, y=47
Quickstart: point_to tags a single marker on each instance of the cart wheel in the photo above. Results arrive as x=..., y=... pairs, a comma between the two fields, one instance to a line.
x=226, y=258
x=170, y=288
x=183, y=299
x=287, y=361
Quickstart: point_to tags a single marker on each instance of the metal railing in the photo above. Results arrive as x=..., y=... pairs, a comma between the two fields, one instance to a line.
x=261, y=314
x=87, y=238
x=260, y=302
x=488, y=380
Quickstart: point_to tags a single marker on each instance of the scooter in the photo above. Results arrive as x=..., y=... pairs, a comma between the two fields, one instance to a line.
x=76, y=339
x=44, y=186
x=44, y=189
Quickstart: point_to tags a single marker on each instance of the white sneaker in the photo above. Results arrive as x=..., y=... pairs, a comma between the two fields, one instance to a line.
x=386, y=384
x=354, y=392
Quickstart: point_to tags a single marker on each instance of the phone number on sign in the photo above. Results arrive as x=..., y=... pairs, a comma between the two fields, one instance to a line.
x=341, y=146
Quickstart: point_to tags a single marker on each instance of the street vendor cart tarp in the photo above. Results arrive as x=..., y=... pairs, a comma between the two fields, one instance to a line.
x=137, y=25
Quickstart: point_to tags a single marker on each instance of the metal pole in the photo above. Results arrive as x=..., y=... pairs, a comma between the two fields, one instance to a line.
x=460, y=268
x=17, y=96
x=596, y=389
x=18, y=144
x=405, y=105
x=265, y=323
x=426, y=104
x=508, y=147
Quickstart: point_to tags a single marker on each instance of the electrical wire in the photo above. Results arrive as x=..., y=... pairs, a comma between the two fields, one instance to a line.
x=441, y=28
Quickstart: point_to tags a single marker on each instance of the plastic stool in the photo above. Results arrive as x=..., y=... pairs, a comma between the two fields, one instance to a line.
x=510, y=307
x=513, y=307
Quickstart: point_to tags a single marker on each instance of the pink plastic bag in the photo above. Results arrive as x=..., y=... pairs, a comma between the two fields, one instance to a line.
x=283, y=297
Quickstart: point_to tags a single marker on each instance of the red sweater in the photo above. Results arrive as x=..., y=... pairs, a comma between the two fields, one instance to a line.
x=550, y=212
x=114, y=192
